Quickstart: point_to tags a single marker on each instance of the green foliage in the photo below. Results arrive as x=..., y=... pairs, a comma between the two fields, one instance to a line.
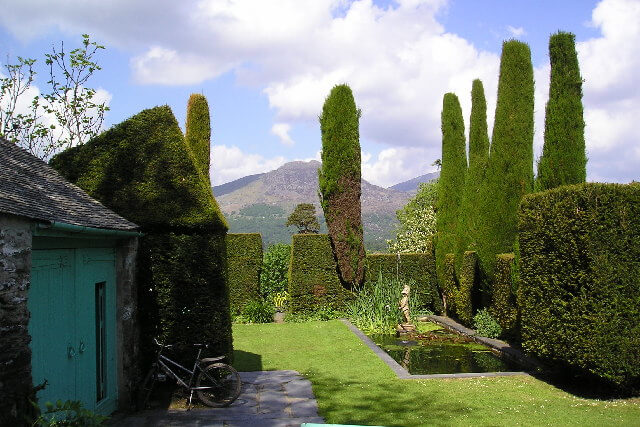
x=486, y=325
x=78, y=116
x=321, y=314
x=304, y=218
x=449, y=284
x=258, y=311
x=503, y=304
x=339, y=181
x=451, y=182
x=463, y=295
x=564, y=160
x=313, y=280
x=579, y=289
x=183, y=292
x=70, y=413
x=417, y=221
x=510, y=173
x=143, y=170
x=275, y=269
x=376, y=307
x=475, y=179
x=244, y=263
x=418, y=268
x=198, y=133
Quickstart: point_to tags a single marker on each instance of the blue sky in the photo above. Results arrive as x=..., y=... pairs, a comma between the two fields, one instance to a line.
x=266, y=66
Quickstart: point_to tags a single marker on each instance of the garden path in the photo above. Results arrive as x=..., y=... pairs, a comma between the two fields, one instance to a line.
x=268, y=398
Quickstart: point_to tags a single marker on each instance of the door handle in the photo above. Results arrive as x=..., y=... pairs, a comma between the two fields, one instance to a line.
x=71, y=352
x=82, y=347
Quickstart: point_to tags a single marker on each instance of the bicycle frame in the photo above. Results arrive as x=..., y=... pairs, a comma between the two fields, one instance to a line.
x=196, y=365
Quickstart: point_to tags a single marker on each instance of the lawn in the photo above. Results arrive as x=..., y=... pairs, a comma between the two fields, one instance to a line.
x=353, y=386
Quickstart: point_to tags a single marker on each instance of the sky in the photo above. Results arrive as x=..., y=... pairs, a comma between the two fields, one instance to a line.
x=266, y=67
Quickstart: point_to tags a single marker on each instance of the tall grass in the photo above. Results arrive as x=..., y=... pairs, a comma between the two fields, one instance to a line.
x=376, y=308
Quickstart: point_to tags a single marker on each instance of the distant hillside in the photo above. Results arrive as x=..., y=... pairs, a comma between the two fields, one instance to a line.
x=411, y=186
x=232, y=186
x=261, y=203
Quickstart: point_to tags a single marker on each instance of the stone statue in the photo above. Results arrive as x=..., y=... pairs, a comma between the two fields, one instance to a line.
x=404, y=303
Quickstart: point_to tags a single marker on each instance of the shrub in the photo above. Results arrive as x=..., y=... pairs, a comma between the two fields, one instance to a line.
x=275, y=268
x=510, y=171
x=339, y=182
x=417, y=221
x=244, y=261
x=70, y=413
x=486, y=325
x=563, y=160
x=463, y=295
x=258, y=311
x=419, y=268
x=313, y=278
x=503, y=303
x=579, y=292
x=451, y=181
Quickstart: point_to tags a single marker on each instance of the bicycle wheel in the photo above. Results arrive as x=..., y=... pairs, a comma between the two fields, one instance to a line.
x=223, y=383
x=147, y=386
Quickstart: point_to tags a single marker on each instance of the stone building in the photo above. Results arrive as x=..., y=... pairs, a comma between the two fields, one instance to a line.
x=67, y=293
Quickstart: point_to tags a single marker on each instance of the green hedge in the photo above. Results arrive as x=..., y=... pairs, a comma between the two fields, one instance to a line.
x=144, y=170
x=503, y=304
x=463, y=295
x=419, y=267
x=313, y=277
x=449, y=284
x=579, y=281
x=244, y=264
x=182, y=290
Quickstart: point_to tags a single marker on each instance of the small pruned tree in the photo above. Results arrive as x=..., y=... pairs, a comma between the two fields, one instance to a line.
x=339, y=182
x=563, y=160
x=304, y=218
x=69, y=113
x=198, y=132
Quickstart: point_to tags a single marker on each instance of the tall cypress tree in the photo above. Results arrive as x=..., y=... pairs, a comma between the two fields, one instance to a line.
x=339, y=180
x=510, y=172
x=198, y=132
x=451, y=181
x=563, y=160
x=476, y=174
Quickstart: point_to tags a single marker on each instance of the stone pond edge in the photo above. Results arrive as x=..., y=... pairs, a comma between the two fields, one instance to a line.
x=403, y=374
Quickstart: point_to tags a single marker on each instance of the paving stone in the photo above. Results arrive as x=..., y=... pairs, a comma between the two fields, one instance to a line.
x=299, y=388
x=303, y=407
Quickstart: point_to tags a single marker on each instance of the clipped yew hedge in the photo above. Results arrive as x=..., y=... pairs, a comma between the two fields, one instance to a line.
x=144, y=170
x=313, y=277
x=503, y=304
x=244, y=264
x=449, y=283
x=580, y=278
x=417, y=267
x=463, y=295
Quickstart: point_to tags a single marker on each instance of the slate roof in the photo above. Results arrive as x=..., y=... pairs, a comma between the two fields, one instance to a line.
x=31, y=188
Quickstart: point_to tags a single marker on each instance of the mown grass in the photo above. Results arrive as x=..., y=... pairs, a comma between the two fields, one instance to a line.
x=353, y=386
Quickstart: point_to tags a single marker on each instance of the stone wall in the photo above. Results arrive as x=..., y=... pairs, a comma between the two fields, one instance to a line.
x=15, y=356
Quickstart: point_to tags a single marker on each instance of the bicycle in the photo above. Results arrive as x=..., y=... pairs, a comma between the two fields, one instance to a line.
x=217, y=384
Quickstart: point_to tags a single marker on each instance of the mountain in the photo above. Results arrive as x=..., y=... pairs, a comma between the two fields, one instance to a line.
x=411, y=186
x=261, y=203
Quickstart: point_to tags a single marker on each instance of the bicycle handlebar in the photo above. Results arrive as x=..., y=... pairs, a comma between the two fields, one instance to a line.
x=159, y=344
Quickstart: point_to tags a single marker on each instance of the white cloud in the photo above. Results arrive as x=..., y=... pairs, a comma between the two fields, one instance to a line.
x=397, y=164
x=229, y=163
x=281, y=130
x=516, y=31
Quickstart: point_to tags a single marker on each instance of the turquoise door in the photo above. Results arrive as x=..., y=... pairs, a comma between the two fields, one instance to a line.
x=72, y=326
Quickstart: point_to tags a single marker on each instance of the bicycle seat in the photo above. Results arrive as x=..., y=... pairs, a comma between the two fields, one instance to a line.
x=212, y=359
